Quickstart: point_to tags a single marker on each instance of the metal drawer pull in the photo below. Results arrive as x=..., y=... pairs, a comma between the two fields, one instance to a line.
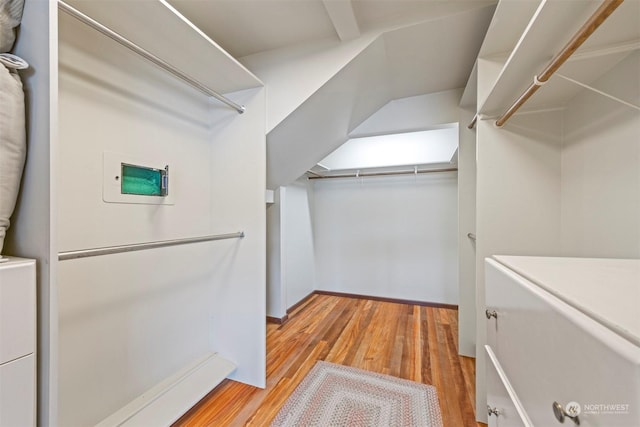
x=493, y=411
x=561, y=414
x=490, y=314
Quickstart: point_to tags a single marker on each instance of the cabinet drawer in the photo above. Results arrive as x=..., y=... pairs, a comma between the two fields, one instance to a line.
x=501, y=397
x=17, y=309
x=552, y=352
x=17, y=392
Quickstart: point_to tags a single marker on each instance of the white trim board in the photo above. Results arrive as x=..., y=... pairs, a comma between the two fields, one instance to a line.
x=166, y=402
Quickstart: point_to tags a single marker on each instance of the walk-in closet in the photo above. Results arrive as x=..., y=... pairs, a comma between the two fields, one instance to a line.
x=222, y=200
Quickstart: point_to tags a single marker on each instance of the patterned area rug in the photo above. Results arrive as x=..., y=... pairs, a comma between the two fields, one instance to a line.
x=335, y=395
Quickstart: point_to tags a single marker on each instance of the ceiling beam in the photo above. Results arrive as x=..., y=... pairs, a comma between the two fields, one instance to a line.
x=342, y=17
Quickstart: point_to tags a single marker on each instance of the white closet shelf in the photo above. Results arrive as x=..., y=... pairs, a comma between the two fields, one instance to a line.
x=179, y=43
x=551, y=26
x=557, y=92
x=509, y=21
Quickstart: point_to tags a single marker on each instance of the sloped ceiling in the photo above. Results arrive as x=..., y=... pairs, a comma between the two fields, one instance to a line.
x=401, y=63
x=404, y=48
x=412, y=114
x=436, y=55
x=321, y=123
x=245, y=27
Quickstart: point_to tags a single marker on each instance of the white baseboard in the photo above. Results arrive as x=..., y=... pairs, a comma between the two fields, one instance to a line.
x=165, y=403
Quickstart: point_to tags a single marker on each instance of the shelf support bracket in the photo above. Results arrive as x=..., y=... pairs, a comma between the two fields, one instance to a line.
x=591, y=88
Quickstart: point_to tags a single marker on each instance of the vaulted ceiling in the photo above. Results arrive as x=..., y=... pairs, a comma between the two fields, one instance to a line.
x=246, y=27
x=330, y=64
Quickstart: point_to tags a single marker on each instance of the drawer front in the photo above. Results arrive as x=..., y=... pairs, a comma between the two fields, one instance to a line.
x=17, y=393
x=553, y=353
x=17, y=310
x=501, y=397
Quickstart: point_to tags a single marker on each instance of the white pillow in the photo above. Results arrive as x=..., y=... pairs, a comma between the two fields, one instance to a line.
x=13, y=146
x=10, y=17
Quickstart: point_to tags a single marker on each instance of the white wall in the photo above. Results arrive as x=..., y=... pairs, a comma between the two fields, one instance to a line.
x=290, y=269
x=432, y=111
x=298, y=258
x=127, y=321
x=32, y=232
x=276, y=298
x=393, y=237
x=601, y=168
x=290, y=252
x=467, y=247
x=238, y=203
x=517, y=203
x=412, y=114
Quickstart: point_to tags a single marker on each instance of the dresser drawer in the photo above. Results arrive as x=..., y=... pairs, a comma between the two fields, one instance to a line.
x=503, y=405
x=552, y=352
x=17, y=393
x=17, y=309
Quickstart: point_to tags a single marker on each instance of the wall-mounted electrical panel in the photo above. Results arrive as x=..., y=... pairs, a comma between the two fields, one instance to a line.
x=135, y=180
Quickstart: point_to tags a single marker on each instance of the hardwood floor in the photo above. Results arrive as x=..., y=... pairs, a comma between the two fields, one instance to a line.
x=406, y=341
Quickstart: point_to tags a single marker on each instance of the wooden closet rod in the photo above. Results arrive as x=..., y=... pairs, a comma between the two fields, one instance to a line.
x=473, y=122
x=592, y=24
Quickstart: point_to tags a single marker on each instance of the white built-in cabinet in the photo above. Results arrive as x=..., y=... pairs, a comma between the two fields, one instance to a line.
x=119, y=331
x=563, y=341
x=562, y=177
x=17, y=342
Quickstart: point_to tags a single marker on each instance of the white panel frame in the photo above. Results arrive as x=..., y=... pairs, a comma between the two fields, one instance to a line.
x=111, y=187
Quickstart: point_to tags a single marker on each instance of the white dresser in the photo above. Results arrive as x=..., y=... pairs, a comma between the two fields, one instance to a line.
x=563, y=339
x=17, y=343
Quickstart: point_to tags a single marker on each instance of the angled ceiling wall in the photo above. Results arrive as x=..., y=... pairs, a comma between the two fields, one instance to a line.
x=433, y=56
x=322, y=122
x=412, y=114
x=294, y=73
x=329, y=64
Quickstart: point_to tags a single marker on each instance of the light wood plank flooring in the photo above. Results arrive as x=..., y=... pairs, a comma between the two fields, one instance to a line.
x=406, y=341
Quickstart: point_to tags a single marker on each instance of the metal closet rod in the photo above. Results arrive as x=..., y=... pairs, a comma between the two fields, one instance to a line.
x=85, y=253
x=364, y=175
x=147, y=55
x=587, y=29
